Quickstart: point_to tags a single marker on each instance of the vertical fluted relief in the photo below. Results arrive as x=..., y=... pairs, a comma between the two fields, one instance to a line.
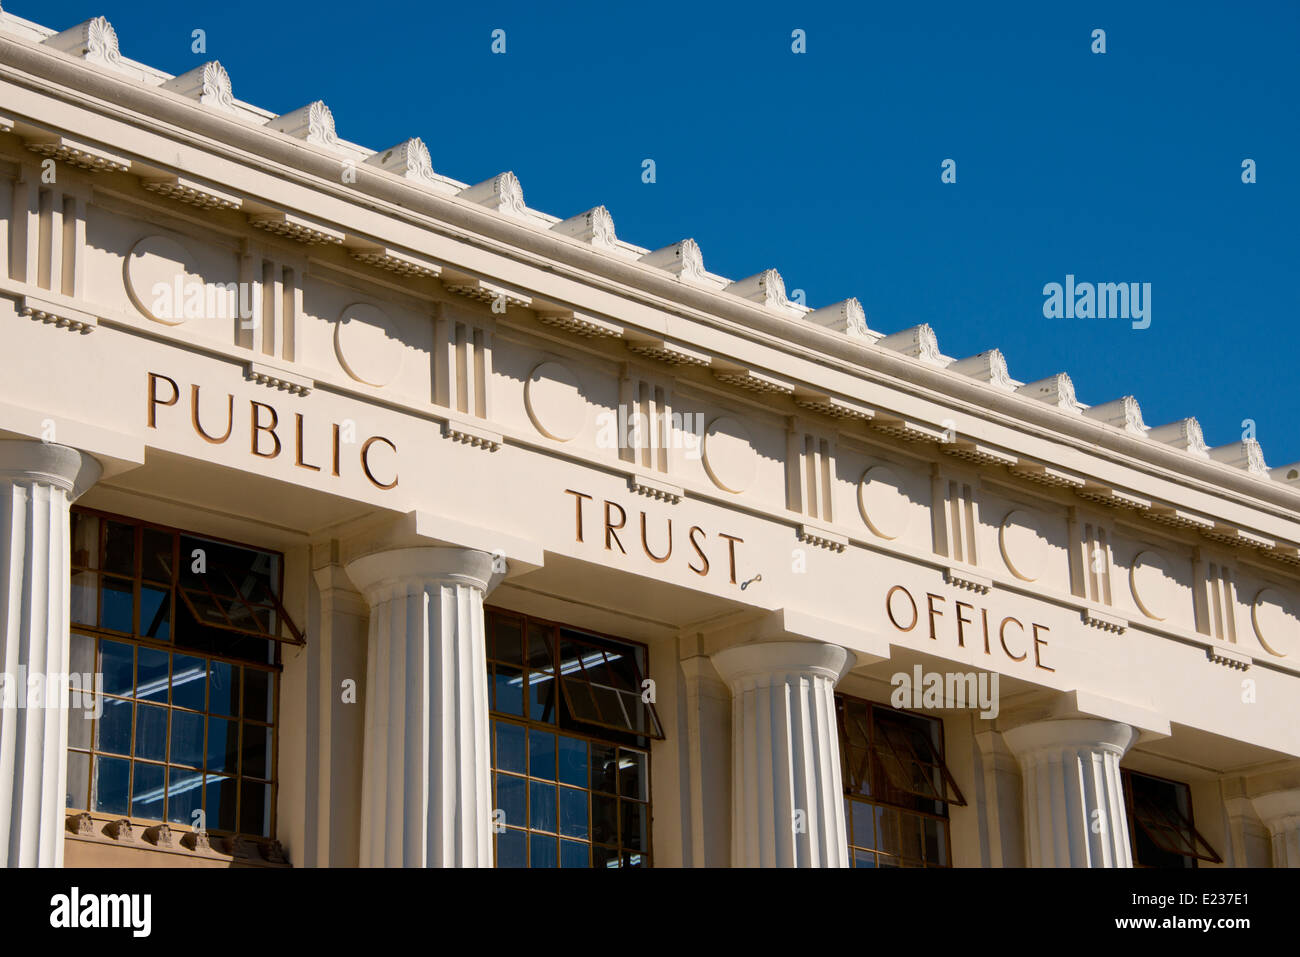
x=426, y=795
x=1073, y=794
x=787, y=795
x=1280, y=813
x=38, y=482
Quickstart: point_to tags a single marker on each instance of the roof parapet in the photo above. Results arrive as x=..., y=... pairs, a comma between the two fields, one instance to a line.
x=1123, y=413
x=595, y=227
x=989, y=366
x=918, y=342
x=1057, y=390
x=502, y=193
x=1246, y=455
x=209, y=84
x=847, y=317
x=684, y=260
x=1184, y=434
x=313, y=123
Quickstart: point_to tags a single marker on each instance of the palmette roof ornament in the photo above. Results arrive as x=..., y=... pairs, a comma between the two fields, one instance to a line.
x=682, y=259
x=1056, y=390
x=1184, y=434
x=501, y=193
x=1246, y=455
x=595, y=227
x=209, y=84
x=94, y=41
x=766, y=288
x=847, y=317
x=313, y=123
x=918, y=342
x=989, y=366
x=409, y=159
x=1123, y=413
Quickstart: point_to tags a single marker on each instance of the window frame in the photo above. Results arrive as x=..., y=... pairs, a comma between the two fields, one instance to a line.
x=1130, y=807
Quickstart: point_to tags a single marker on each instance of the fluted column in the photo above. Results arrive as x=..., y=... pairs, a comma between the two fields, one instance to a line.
x=1073, y=794
x=38, y=481
x=787, y=799
x=1280, y=812
x=426, y=799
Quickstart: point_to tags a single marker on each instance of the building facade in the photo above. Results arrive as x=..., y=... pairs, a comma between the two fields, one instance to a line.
x=368, y=517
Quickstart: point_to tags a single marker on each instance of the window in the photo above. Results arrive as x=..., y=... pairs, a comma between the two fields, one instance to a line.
x=570, y=764
x=185, y=632
x=896, y=786
x=1160, y=823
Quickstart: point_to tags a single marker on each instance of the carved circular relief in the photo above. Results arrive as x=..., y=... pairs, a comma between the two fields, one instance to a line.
x=366, y=342
x=555, y=402
x=1276, y=625
x=159, y=278
x=1023, y=546
x=882, y=503
x=729, y=455
x=1149, y=582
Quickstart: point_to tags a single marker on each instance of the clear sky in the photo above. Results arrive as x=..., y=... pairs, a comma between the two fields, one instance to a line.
x=1117, y=167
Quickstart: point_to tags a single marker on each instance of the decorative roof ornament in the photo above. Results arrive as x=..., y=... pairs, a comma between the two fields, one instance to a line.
x=918, y=342
x=989, y=366
x=1287, y=473
x=409, y=159
x=1056, y=390
x=502, y=193
x=1123, y=413
x=682, y=259
x=313, y=123
x=847, y=317
x=595, y=227
x=1184, y=434
x=1246, y=455
x=209, y=84
x=94, y=41
x=766, y=288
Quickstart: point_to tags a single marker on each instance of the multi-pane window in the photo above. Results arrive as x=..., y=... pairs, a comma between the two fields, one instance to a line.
x=1160, y=823
x=184, y=631
x=571, y=729
x=896, y=786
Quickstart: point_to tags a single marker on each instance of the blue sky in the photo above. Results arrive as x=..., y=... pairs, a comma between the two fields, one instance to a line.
x=825, y=165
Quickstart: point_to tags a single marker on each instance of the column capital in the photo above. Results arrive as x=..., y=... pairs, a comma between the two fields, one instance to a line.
x=765, y=658
x=425, y=565
x=1056, y=734
x=1280, y=812
x=27, y=460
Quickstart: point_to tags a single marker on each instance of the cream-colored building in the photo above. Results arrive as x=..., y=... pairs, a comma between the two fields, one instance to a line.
x=414, y=526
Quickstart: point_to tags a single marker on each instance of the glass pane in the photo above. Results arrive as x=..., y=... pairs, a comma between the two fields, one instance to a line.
x=81, y=726
x=632, y=775
x=148, y=791
x=574, y=854
x=579, y=699
x=117, y=604
x=541, y=806
x=512, y=850
x=223, y=688
x=539, y=648
x=184, y=796
x=187, y=739
x=507, y=638
x=541, y=755
x=257, y=750
x=863, y=827
x=634, y=859
x=887, y=830
x=81, y=658
x=151, y=732
x=511, y=747
x=604, y=768
x=119, y=549
x=206, y=609
x=510, y=690
x=85, y=595
x=189, y=676
x=936, y=842
x=156, y=559
x=151, y=674
x=541, y=696
x=573, y=761
x=604, y=856
x=113, y=731
x=864, y=859
x=255, y=809
x=257, y=695
x=155, y=612
x=109, y=786
x=911, y=837
x=78, y=780
x=573, y=813
x=219, y=804
x=117, y=661
x=636, y=822
x=541, y=851
x=223, y=744
x=604, y=819
x=511, y=799
x=85, y=540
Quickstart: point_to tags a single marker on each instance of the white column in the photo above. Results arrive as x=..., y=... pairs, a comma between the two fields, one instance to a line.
x=426, y=799
x=1280, y=812
x=1073, y=796
x=38, y=481
x=787, y=799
